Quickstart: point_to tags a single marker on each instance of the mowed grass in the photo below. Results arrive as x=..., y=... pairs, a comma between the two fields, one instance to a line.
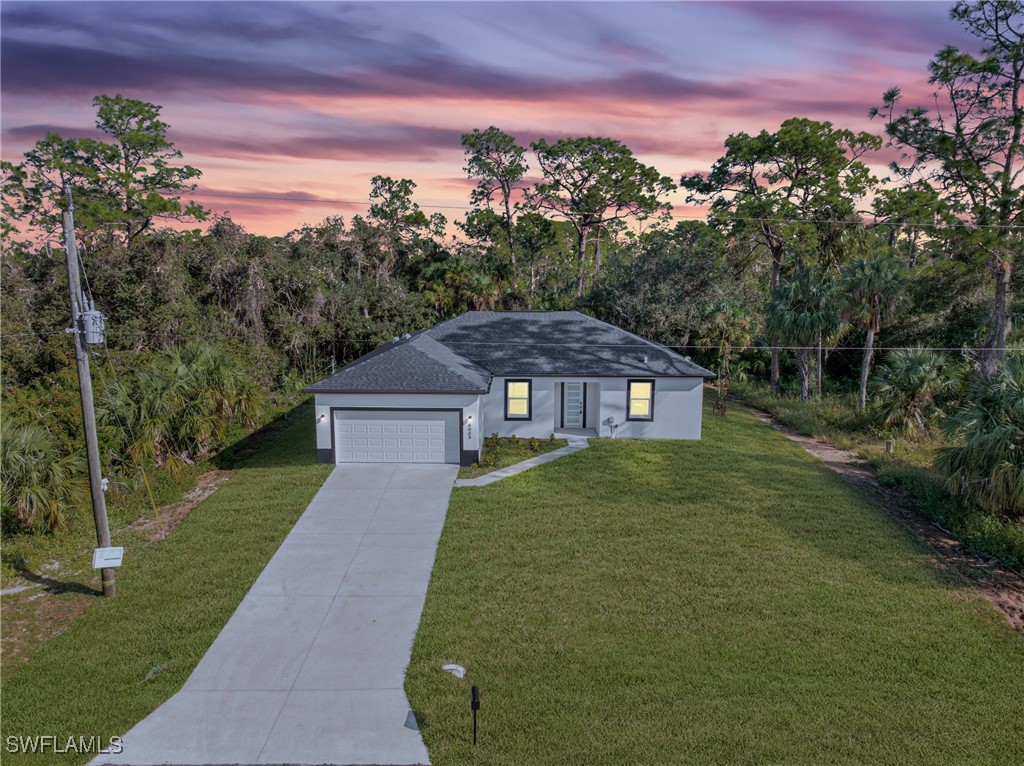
x=727, y=601
x=123, y=657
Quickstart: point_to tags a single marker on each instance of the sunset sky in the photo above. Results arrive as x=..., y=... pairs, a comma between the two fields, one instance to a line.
x=311, y=100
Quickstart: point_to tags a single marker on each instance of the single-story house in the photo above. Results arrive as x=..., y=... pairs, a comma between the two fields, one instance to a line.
x=433, y=396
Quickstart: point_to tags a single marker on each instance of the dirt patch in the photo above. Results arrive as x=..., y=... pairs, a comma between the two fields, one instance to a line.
x=32, y=620
x=170, y=516
x=1003, y=587
x=42, y=606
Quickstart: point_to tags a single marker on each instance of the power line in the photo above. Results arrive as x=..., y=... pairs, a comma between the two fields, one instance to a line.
x=696, y=346
x=680, y=216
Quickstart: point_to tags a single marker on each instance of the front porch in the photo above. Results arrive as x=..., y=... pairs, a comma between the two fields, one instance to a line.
x=568, y=433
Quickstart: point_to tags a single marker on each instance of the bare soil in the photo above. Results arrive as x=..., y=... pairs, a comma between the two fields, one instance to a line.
x=1003, y=587
x=170, y=516
x=52, y=600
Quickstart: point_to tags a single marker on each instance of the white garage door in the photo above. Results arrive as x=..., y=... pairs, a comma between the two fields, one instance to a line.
x=389, y=441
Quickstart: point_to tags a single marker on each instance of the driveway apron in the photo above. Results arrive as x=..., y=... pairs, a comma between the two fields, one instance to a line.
x=310, y=667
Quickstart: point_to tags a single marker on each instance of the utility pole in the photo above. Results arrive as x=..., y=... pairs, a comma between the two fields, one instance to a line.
x=99, y=502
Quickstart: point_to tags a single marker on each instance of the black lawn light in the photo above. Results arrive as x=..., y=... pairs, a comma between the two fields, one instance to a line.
x=474, y=703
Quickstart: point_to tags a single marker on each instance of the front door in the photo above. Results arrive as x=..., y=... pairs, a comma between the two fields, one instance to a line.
x=572, y=414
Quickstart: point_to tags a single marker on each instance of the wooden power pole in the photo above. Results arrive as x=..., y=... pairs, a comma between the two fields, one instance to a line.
x=99, y=503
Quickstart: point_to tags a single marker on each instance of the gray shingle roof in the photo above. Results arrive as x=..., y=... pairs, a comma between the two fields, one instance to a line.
x=461, y=354
x=557, y=343
x=417, y=365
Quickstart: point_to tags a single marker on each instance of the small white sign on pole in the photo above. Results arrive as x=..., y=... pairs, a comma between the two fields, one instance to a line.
x=106, y=558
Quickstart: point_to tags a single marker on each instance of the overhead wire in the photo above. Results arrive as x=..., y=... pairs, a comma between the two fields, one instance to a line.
x=519, y=344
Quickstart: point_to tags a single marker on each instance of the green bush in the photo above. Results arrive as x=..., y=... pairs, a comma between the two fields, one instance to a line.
x=39, y=481
x=179, y=406
x=911, y=387
x=54, y=403
x=979, y=531
x=829, y=415
x=985, y=464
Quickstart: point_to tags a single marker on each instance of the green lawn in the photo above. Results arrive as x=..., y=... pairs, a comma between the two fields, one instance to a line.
x=123, y=657
x=728, y=601
x=510, y=451
x=836, y=417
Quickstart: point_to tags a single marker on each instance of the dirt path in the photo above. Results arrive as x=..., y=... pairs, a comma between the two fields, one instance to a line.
x=170, y=516
x=983, y=574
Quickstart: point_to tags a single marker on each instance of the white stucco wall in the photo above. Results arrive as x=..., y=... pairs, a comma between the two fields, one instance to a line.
x=544, y=406
x=677, y=408
x=467, y=402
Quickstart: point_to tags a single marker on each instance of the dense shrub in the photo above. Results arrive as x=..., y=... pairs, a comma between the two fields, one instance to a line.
x=979, y=531
x=985, y=464
x=828, y=416
x=39, y=481
x=178, y=407
x=911, y=387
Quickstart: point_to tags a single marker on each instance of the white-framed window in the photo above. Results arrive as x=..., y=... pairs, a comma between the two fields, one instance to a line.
x=518, y=400
x=640, y=400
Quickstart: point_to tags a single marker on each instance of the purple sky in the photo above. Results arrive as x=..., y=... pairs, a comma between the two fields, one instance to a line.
x=313, y=99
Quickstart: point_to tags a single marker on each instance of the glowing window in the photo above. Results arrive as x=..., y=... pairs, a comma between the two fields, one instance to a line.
x=517, y=400
x=641, y=400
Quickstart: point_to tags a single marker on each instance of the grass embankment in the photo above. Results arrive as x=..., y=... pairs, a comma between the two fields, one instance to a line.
x=123, y=657
x=837, y=418
x=508, y=451
x=726, y=601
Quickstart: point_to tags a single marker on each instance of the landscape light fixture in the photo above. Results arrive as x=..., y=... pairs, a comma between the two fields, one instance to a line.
x=321, y=419
x=474, y=703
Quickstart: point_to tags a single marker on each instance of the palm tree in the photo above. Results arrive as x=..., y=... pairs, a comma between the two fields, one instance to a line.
x=37, y=484
x=801, y=312
x=986, y=463
x=482, y=292
x=726, y=329
x=872, y=291
x=179, y=407
x=910, y=387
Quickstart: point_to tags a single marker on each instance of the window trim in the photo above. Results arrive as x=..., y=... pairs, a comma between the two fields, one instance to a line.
x=529, y=399
x=629, y=399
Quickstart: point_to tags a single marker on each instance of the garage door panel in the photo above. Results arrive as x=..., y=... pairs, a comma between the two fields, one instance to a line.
x=393, y=439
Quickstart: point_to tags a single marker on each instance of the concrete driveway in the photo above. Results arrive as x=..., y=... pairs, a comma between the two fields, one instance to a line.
x=310, y=667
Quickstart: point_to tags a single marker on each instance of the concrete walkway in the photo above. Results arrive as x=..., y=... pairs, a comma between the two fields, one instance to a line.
x=576, y=443
x=310, y=667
